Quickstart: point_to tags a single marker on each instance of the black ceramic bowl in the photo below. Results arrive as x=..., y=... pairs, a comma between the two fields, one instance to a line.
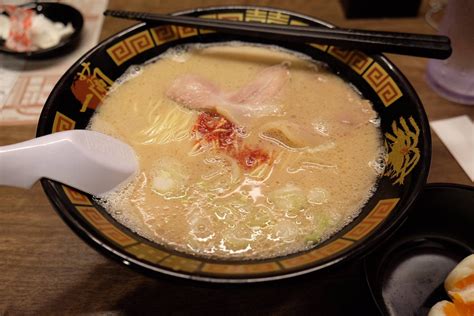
x=56, y=12
x=406, y=274
x=404, y=126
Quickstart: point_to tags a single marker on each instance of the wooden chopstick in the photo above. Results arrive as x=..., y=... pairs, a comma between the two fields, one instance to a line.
x=432, y=46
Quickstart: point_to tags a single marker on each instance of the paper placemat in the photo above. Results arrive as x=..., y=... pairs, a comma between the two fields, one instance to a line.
x=457, y=133
x=25, y=85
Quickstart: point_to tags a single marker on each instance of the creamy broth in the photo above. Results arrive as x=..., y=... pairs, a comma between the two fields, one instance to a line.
x=245, y=151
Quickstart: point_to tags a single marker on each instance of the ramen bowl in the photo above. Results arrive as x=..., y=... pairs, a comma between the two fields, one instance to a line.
x=404, y=127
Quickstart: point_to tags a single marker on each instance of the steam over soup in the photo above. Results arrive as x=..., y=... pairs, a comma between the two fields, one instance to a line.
x=245, y=151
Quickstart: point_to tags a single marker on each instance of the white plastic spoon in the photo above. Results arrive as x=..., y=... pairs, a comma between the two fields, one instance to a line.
x=89, y=161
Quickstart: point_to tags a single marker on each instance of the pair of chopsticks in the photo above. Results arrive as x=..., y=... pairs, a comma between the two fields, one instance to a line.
x=432, y=46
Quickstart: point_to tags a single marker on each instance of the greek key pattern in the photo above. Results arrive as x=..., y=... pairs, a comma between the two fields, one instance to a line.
x=147, y=253
x=371, y=221
x=275, y=17
x=130, y=47
x=164, y=33
x=62, y=123
x=231, y=16
x=318, y=46
x=104, y=226
x=357, y=60
x=209, y=16
x=186, y=31
x=256, y=15
x=317, y=254
x=167, y=33
x=383, y=84
x=75, y=196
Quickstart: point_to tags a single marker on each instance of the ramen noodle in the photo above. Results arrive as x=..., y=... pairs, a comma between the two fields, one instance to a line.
x=245, y=151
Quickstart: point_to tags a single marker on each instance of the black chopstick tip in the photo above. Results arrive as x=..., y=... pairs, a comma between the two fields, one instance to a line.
x=447, y=53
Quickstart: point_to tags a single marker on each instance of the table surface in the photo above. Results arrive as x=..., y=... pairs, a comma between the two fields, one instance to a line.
x=45, y=267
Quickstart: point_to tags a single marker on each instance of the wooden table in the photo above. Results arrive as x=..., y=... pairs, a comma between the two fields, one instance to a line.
x=45, y=267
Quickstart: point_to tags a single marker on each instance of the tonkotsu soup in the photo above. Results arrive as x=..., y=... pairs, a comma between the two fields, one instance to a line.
x=245, y=151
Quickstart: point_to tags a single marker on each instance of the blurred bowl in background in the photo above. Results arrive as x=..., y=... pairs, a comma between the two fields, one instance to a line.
x=56, y=12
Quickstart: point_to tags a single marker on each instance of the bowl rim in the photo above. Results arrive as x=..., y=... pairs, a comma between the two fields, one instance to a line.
x=386, y=230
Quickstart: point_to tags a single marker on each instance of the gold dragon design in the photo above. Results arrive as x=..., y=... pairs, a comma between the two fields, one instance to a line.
x=403, y=153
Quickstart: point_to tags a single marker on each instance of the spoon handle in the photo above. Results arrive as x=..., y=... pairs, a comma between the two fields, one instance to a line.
x=92, y=162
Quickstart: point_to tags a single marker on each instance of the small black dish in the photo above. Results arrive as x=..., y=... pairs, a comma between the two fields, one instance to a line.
x=406, y=274
x=56, y=12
